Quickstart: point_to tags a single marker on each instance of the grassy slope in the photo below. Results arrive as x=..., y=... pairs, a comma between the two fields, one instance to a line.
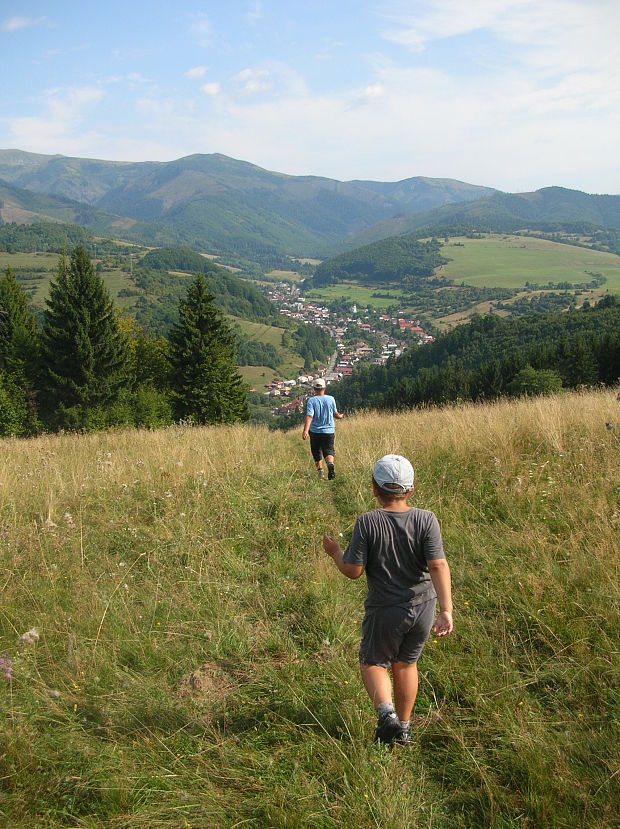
x=196, y=664
x=510, y=261
x=291, y=363
x=114, y=279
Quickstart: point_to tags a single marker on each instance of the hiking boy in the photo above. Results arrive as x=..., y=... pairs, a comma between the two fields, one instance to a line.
x=401, y=550
x=319, y=424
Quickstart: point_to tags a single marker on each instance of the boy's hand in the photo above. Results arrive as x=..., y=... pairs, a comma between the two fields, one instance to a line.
x=330, y=545
x=443, y=624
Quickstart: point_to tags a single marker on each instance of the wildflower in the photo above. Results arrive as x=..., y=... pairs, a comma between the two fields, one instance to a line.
x=466, y=604
x=5, y=666
x=68, y=518
x=30, y=637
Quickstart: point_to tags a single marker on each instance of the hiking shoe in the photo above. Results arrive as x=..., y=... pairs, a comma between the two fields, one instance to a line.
x=403, y=738
x=321, y=474
x=388, y=727
x=331, y=472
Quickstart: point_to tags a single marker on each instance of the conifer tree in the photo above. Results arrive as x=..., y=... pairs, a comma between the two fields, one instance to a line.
x=18, y=327
x=205, y=383
x=18, y=359
x=82, y=352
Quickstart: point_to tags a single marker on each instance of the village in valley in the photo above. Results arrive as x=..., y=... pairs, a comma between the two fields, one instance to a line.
x=353, y=334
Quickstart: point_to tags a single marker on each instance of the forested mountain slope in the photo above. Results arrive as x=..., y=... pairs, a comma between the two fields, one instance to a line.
x=218, y=203
x=548, y=209
x=491, y=356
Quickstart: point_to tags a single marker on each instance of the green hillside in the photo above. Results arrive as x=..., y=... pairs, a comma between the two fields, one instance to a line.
x=549, y=209
x=182, y=653
x=509, y=261
x=223, y=204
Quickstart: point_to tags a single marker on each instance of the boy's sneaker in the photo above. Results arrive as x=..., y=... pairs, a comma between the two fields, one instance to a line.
x=388, y=727
x=403, y=738
x=331, y=472
x=321, y=473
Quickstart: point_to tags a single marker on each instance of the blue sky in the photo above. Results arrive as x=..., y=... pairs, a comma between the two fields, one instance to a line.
x=514, y=94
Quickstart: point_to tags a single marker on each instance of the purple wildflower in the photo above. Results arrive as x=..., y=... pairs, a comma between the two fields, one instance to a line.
x=5, y=666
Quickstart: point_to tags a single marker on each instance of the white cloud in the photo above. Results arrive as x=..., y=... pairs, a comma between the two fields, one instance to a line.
x=212, y=88
x=196, y=72
x=54, y=130
x=367, y=95
x=13, y=24
x=201, y=30
x=253, y=81
x=328, y=49
x=254, y=12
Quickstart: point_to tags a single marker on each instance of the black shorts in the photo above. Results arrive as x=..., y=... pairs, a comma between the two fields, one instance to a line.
x=396, y=634
x=321, y=444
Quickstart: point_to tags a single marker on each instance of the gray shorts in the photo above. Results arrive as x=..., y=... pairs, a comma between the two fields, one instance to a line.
x=396, y=634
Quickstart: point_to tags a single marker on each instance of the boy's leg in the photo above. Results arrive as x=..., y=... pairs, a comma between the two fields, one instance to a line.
x=328, y=453
x=315, y=448
x=405, y=688
x=377, y=684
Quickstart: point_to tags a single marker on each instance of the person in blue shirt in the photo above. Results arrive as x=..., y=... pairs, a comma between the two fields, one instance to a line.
x=319, y=424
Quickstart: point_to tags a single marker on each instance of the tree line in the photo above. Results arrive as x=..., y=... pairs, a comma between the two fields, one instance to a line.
x=84, y=367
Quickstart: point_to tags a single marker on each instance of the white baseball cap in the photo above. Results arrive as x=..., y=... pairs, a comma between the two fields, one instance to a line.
x=319, y=383
x=393, y=473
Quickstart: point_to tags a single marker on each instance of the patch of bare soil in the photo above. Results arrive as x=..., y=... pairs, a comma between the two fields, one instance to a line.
x=209, y=682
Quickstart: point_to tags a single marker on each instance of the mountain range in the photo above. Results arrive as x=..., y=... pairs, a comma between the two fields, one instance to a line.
x=217, y=204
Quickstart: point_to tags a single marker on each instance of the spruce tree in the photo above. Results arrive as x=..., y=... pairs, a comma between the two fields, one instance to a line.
x=18, y=358
x=206, y=385
x=82, y=352
x=18, y=327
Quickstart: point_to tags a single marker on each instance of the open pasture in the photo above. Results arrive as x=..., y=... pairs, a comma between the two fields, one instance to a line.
x=500, y=261
x=42, y=269
x=360, y=294
x=290, y=363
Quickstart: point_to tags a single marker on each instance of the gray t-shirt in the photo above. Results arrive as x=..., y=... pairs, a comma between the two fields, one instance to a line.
x=394, y=547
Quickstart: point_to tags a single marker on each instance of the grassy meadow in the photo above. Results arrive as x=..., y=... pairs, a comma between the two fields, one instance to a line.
x=504, y=261
x=42, y=269
x=291, y=364
x=190, y=657
x=354, y=292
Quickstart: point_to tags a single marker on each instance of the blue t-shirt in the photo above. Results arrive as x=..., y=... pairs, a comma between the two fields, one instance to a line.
x=321, y=409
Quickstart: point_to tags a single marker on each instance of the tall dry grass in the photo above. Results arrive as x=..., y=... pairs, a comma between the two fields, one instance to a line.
x=196, y=653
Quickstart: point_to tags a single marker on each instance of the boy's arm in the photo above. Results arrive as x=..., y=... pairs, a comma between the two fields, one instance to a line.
x=440, y=576
x=332, y=548
x=307, y=423
x=338, y=415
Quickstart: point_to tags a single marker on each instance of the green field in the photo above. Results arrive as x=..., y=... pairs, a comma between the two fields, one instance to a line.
x=291, y=364
x=42, y=269
x=511, y=261
x=357, y=293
